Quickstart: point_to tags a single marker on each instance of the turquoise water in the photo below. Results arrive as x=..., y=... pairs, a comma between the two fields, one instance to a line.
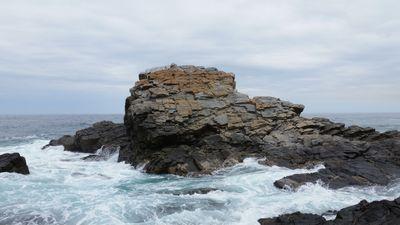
x=63, y=189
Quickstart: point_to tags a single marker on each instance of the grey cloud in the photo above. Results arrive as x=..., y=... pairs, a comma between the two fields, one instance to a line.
x=323, y=54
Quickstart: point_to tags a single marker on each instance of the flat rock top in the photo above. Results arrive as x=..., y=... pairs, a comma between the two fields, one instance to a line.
x=186, y=79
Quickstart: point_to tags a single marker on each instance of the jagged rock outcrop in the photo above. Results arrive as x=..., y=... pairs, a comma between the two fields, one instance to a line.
x=104, y=134
x=375, y=213
x=13, y=163
x=188, y=120
x=191, y=120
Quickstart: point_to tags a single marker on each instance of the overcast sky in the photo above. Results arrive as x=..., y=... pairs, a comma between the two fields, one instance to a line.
x=82, y=56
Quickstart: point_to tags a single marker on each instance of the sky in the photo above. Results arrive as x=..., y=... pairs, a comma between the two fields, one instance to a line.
x=81, y=57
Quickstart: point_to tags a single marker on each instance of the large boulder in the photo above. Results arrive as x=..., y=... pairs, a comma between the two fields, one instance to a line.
x=191, y=120
x=89, y=140
x=13, y=163
x=375, y=213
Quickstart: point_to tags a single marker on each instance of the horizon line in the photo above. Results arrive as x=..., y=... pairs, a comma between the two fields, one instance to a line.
x=101, y=114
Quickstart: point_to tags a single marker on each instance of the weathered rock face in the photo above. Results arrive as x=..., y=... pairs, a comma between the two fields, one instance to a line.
x=187, y=119
x=13, y=163
x=364, y=213
x=102, y=134
x=190, y=119
x=347, y=162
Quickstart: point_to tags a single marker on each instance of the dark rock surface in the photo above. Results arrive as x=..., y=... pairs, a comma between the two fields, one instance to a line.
x=375, y=213
x=13, y=163
x=89, y=140
x=199, y=191
x=191, y=120
x=347, y=162
x=296, y=218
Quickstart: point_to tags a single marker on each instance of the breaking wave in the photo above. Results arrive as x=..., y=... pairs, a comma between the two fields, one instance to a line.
x=64, y=189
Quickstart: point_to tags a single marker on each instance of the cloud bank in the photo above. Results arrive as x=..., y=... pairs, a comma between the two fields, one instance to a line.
x=82, y=56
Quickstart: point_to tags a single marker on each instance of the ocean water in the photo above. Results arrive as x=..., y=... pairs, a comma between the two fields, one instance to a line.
x=63, y=189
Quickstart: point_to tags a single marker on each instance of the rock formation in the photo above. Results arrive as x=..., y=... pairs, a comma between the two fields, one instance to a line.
x=191, y=120
x=375, y=213
x=13, y=163
x=104, y=134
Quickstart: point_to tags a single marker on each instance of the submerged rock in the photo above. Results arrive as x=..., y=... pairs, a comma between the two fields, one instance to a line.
x=104, y=153
x=89, y=140
x=364, y=213
x=191, y=120
x=13, y=163
x=199, y=191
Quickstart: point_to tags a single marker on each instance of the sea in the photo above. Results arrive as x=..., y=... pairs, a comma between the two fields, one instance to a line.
x=64, y=189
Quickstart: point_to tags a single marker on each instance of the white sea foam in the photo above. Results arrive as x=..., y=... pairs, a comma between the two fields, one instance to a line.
x=63, y=189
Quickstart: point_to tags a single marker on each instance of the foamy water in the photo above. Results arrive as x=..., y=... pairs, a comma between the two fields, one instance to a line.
x=63, y=189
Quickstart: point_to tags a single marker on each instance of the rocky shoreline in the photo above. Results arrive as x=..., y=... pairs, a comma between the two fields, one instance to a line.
x=364, y=213
x=189, y=120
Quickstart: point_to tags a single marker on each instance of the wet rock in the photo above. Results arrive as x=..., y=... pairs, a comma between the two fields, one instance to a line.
x=67, y=141
x=356, y=163
x=13, y=163
x=103, y=154
x=364, y=213
x=200, y=191
x=89, y=140
x=374, y=213
x=296, y=218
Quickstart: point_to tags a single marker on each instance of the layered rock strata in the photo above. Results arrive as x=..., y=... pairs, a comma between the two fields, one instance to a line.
x=191, y=120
